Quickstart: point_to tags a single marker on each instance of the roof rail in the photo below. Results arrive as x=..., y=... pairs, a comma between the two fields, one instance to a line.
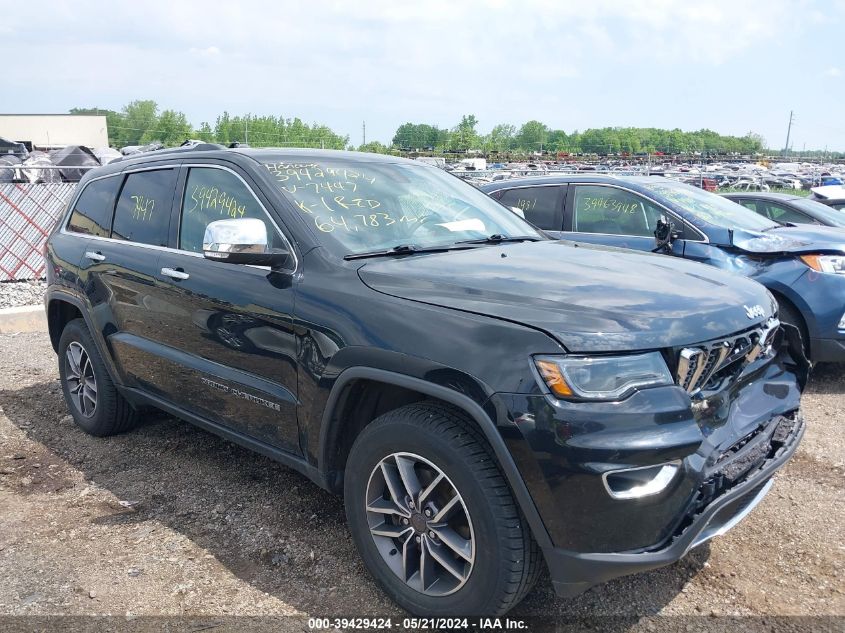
x=198, y=147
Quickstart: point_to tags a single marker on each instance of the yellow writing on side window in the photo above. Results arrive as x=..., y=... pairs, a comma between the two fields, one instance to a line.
x=612, y=204
x=143, y=210
x=206, y=198
x=526, y=205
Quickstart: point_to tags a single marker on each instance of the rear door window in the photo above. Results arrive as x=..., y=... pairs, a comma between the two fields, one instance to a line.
x=143, y=208
x=93, y=210
x=216, y=194
x=750, y=204
x=781, y=213
x=541, y=205
x=612, y=211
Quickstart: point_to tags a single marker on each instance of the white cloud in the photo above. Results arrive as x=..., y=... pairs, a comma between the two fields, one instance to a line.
x=209, y=51
x=833, y=71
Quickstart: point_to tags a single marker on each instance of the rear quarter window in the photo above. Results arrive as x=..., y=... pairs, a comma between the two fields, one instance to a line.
x=93, y=210
x=541, y=205
x=143, y=208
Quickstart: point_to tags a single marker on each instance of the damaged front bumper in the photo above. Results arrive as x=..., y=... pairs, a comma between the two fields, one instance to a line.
x=627, y=486
x=718, y=506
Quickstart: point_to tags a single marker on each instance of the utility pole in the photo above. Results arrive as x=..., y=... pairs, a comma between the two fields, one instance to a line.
x=788, y=132
x=364, y=133
x=246, y=129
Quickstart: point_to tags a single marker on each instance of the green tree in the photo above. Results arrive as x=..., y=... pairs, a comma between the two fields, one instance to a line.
x=205, y=133
x=558, y=141
x=138, y=118
x=416, y=136
x=374, y=147
x=501, y=138
x=464, y=136
x=171, y=128
x=532, y=136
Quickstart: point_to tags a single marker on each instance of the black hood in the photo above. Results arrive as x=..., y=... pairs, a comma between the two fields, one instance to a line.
x=590, y=298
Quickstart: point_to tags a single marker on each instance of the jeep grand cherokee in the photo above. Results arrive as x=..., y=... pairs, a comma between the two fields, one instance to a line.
x=485, y=399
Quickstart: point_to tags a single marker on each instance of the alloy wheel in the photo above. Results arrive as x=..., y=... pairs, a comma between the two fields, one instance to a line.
x=420, y=524
x=81, y=381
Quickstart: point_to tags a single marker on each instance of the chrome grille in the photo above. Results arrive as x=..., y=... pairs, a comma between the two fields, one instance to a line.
x=699, y=364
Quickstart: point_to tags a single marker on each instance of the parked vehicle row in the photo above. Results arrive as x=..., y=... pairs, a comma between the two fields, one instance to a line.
x=487, y=399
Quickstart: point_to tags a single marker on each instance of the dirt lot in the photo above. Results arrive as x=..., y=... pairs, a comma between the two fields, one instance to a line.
x=170, y=520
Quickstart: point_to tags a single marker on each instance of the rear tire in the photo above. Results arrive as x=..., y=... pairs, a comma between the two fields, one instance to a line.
x=94, y=402
x=481, y=559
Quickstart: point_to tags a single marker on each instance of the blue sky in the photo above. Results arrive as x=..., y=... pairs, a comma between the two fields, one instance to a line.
x=732, y=66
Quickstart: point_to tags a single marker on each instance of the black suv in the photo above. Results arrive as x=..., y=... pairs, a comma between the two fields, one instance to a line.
x=485, y=399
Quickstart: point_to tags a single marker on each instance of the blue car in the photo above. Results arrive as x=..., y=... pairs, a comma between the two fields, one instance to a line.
x=803, y=267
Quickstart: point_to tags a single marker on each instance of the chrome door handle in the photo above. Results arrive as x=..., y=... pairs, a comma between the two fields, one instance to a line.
x=94, y=256
x=174, y=274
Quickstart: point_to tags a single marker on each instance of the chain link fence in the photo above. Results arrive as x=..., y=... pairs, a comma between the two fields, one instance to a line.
x=28, y=213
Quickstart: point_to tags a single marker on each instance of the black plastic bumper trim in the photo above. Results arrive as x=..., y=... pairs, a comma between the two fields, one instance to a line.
x=573, y=572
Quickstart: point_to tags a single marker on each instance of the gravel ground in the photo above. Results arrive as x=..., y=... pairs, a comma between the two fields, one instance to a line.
x=22, y=293
x=170, y=520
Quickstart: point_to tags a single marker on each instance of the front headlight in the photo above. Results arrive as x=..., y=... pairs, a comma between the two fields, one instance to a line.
x=825, y=263
x=602, y=377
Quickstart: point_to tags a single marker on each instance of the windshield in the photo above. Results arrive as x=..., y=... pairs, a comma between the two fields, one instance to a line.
x=709, y=207
x=824, y=213
x=360, y=206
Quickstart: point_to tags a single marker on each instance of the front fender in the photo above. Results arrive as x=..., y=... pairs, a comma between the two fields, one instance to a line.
x=491, y=427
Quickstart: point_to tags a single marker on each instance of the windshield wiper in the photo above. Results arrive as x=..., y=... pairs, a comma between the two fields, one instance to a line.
x=403, y=249
x=498, y=238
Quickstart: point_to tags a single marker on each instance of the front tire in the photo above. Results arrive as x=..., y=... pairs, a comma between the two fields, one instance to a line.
x=94, y=402
x=432, y=516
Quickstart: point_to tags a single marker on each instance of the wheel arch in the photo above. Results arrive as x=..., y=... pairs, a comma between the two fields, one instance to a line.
x=61, y=310
x=803, y=326
x=416, y=389
x=63, y=307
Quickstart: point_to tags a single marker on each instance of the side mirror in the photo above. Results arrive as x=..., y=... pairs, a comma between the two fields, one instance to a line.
x=518, y=211
x=241, y=241
x=664, y=235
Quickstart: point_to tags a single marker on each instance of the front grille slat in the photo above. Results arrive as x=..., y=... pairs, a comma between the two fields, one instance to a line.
x=697, y=365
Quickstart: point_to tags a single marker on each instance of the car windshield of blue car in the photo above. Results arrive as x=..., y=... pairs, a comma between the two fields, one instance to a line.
x=360, y=206
x=822, y=212
x=709, y=207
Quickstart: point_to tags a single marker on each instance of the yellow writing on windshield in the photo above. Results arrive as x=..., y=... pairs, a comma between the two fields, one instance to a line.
x=296, y=173
x=362, y=221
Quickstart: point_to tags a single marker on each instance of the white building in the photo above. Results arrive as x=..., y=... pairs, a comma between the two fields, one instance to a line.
x=55, y=130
